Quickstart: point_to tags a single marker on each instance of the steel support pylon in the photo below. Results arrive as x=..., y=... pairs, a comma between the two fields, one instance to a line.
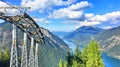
x=24, y=62
x=14, y=57
x=36, y=55
x=31, y=56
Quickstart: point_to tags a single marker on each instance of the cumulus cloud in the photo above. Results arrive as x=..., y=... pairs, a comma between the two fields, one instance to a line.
x=89, y=16
x=1, y=21
x=8, y=11
x=61, y=2
x=112, y=18
x=66, y=14
x=73, y=12
x=79, y=6
x=3, y=4
x=107, y=27
x=41, y=20
x=87, y=23
x=44, y=4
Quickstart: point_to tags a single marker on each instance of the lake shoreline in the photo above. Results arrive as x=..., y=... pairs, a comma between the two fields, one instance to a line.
x=109, y=61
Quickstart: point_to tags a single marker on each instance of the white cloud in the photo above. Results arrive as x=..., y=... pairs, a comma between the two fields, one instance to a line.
x=79, y=6
x=89, y=16
x=112, y=18
x=61, y=2
x=41, y=20
x=65, y=13
x=87, y=23
x=74, y=12
x=1, y=21
x=44, y=4
x=8, y=11
x=107, y=27
x=71, y=22
x=3, y=4
x=99, y=18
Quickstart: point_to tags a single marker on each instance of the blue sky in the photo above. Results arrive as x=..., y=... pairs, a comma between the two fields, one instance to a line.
x=67, y=15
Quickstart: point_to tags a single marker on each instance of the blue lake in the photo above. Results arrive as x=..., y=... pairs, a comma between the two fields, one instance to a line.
x=108, y=61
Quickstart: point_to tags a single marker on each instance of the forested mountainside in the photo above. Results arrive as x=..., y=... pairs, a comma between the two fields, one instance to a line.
x=83, y=34
x=110, y=41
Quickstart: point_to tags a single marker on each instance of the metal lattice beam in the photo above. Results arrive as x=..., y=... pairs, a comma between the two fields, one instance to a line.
x=14, y=57
x=24, y=61
x=26, y=24
x=36, y=56
x=31, y=56
x=25, y=21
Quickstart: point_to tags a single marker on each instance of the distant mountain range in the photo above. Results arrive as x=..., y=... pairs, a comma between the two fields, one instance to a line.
x=83, y=34
x=49, y=53
x=109, y=39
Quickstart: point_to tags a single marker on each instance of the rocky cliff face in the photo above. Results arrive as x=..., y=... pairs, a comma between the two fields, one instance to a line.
x=110, y=41
x=54, y=40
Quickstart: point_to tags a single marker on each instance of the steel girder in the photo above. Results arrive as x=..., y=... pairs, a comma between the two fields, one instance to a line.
x=26, y=24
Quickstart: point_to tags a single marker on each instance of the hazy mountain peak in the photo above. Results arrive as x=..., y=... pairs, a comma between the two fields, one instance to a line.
x=89, y=29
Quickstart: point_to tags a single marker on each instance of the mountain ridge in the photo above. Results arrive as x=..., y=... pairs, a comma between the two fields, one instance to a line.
x=110, y=41
x=83, y=33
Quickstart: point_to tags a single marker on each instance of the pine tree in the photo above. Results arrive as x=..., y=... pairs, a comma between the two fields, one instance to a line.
x=89, y=57
x=77, y=60
x=4, y=58
x=65, y=64
x=60, y=63
x=74, y=63
x=94, y=56
x=77, y=55
x=84, y=55
x=7, y=55
x=77, y=51
x=1, y=55
x=77, y=64
x=69, y=58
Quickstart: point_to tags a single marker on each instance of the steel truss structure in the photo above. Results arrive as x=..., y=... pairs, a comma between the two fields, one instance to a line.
x=31, y=30
x=14, y=57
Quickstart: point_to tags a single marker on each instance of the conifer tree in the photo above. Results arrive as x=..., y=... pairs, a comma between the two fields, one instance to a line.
x=77, y=64
x=77, y=51
x=1, y=55
x=89, y=57
x=4, y=58
x=65, y=64
x=84, y=55
x=60, y=63
x=94, y=56
x=77, y=60
x=69, y=58
x=7, y=55
x=74, y=63
x=77, y=55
